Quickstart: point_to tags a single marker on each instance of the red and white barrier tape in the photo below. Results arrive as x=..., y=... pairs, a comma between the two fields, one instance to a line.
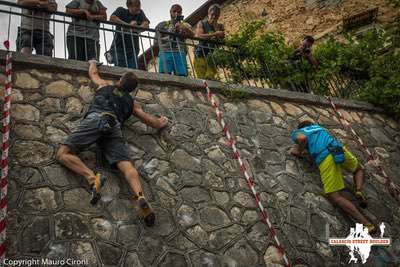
x=394, y=190
x=4, y=155
x=250, y=181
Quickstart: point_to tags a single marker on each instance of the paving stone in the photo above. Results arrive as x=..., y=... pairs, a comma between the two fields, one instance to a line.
x=132, y=259
x=182, y=131
x=79, y=200
x=212, y=216
x=16, y=96
x=244, y=199
x=50, y=104
x=70, y=226
x=103, y=228
x=59, y=89
x=26, y=81
x=25, y=112
x=198, y=235
x=292, y=110
x=250, y=216
x=82, y=250
x=57, y=251
x=184, y=161
x=40, y=199
x=35, y=237
x=214, y=181
x=28, y=132
x=73, y=106
x=164, y=225
x=86, y=93
x=149, y=250
x=186, y=216
x=173, y=259
x=242, y=252
x=122, y=209
x=195, y=194
x=162, y=182
x=273, y=257
x=110, y=255
x=277, y=109
x=220, y=238
x=259, y=105
x=26, y=175
x=55, y=135
x=221, y=198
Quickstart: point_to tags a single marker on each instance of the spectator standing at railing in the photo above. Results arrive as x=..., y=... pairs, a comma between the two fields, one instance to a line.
x=83, y=34
x=34, y=32
x=304, y=51
x=172, y=49
x=124, y=50
x=210, y=30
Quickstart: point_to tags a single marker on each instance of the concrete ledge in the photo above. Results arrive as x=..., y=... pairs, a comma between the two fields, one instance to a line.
x=22, y=61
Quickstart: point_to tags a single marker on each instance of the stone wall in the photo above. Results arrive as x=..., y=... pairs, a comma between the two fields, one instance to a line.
x=297, y=18
x=206, y=215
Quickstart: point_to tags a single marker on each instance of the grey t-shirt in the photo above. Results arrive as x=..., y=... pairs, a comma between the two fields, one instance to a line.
x=40, y=22
x=82, y=27
x=167, y=42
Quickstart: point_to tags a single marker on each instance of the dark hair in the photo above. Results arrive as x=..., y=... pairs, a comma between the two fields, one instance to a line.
x=129, y=81
x=304, y=124
x=215, y=7
x=130, y=1
x=309, y=38
x=176, y=6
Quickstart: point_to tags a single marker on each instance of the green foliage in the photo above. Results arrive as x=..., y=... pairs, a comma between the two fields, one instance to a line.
x=365, y=67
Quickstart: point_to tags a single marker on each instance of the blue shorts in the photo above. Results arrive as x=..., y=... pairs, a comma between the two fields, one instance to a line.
x=173, y=63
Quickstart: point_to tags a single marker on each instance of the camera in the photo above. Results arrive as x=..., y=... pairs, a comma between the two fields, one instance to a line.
x=179, y=18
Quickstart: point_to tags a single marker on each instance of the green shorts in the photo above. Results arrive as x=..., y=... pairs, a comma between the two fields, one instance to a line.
x=331, y=173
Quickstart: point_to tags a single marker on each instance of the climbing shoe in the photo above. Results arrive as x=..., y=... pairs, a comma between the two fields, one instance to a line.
x=362, y=201
x=371, y=229
x=95, y=187
x=145, y=210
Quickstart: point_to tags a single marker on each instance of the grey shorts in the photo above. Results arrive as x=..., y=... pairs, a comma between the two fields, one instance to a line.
x=111, y=144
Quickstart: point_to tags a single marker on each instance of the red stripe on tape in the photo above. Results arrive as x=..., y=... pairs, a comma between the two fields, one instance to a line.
x=3, y=202
x=3, y=224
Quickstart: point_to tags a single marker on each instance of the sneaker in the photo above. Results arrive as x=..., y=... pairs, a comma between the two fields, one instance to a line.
x=146, y=211
x=362, y=201
x=371, y=229
x=98, y=183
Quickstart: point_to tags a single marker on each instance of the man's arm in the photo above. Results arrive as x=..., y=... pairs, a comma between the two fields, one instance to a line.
x=184, y=29
x=150, y=120
x=300, y=146
x=200, y=32
x=102, y=16
x=29, y=3
x=311, y=59
x=94, y=75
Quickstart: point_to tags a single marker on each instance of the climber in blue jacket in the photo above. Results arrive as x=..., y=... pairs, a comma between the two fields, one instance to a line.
x=331, y=157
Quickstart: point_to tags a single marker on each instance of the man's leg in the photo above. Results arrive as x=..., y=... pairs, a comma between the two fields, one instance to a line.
x=358, y=177
x=66, y=157
x=131, y=176
x=348, y=207
x=26, y=42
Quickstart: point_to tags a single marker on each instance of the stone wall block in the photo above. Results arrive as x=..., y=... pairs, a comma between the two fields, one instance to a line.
x=24, y=80
x=59, y=89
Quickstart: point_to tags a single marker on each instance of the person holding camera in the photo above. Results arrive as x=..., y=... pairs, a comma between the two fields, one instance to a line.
x=125, y=48
x=172, y=48
x=112, y=105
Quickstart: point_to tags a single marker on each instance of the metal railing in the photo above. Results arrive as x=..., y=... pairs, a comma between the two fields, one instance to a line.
x=62, y=35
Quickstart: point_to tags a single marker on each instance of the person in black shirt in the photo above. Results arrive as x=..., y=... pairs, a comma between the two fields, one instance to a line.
x=124, y=50
x=112, y=105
